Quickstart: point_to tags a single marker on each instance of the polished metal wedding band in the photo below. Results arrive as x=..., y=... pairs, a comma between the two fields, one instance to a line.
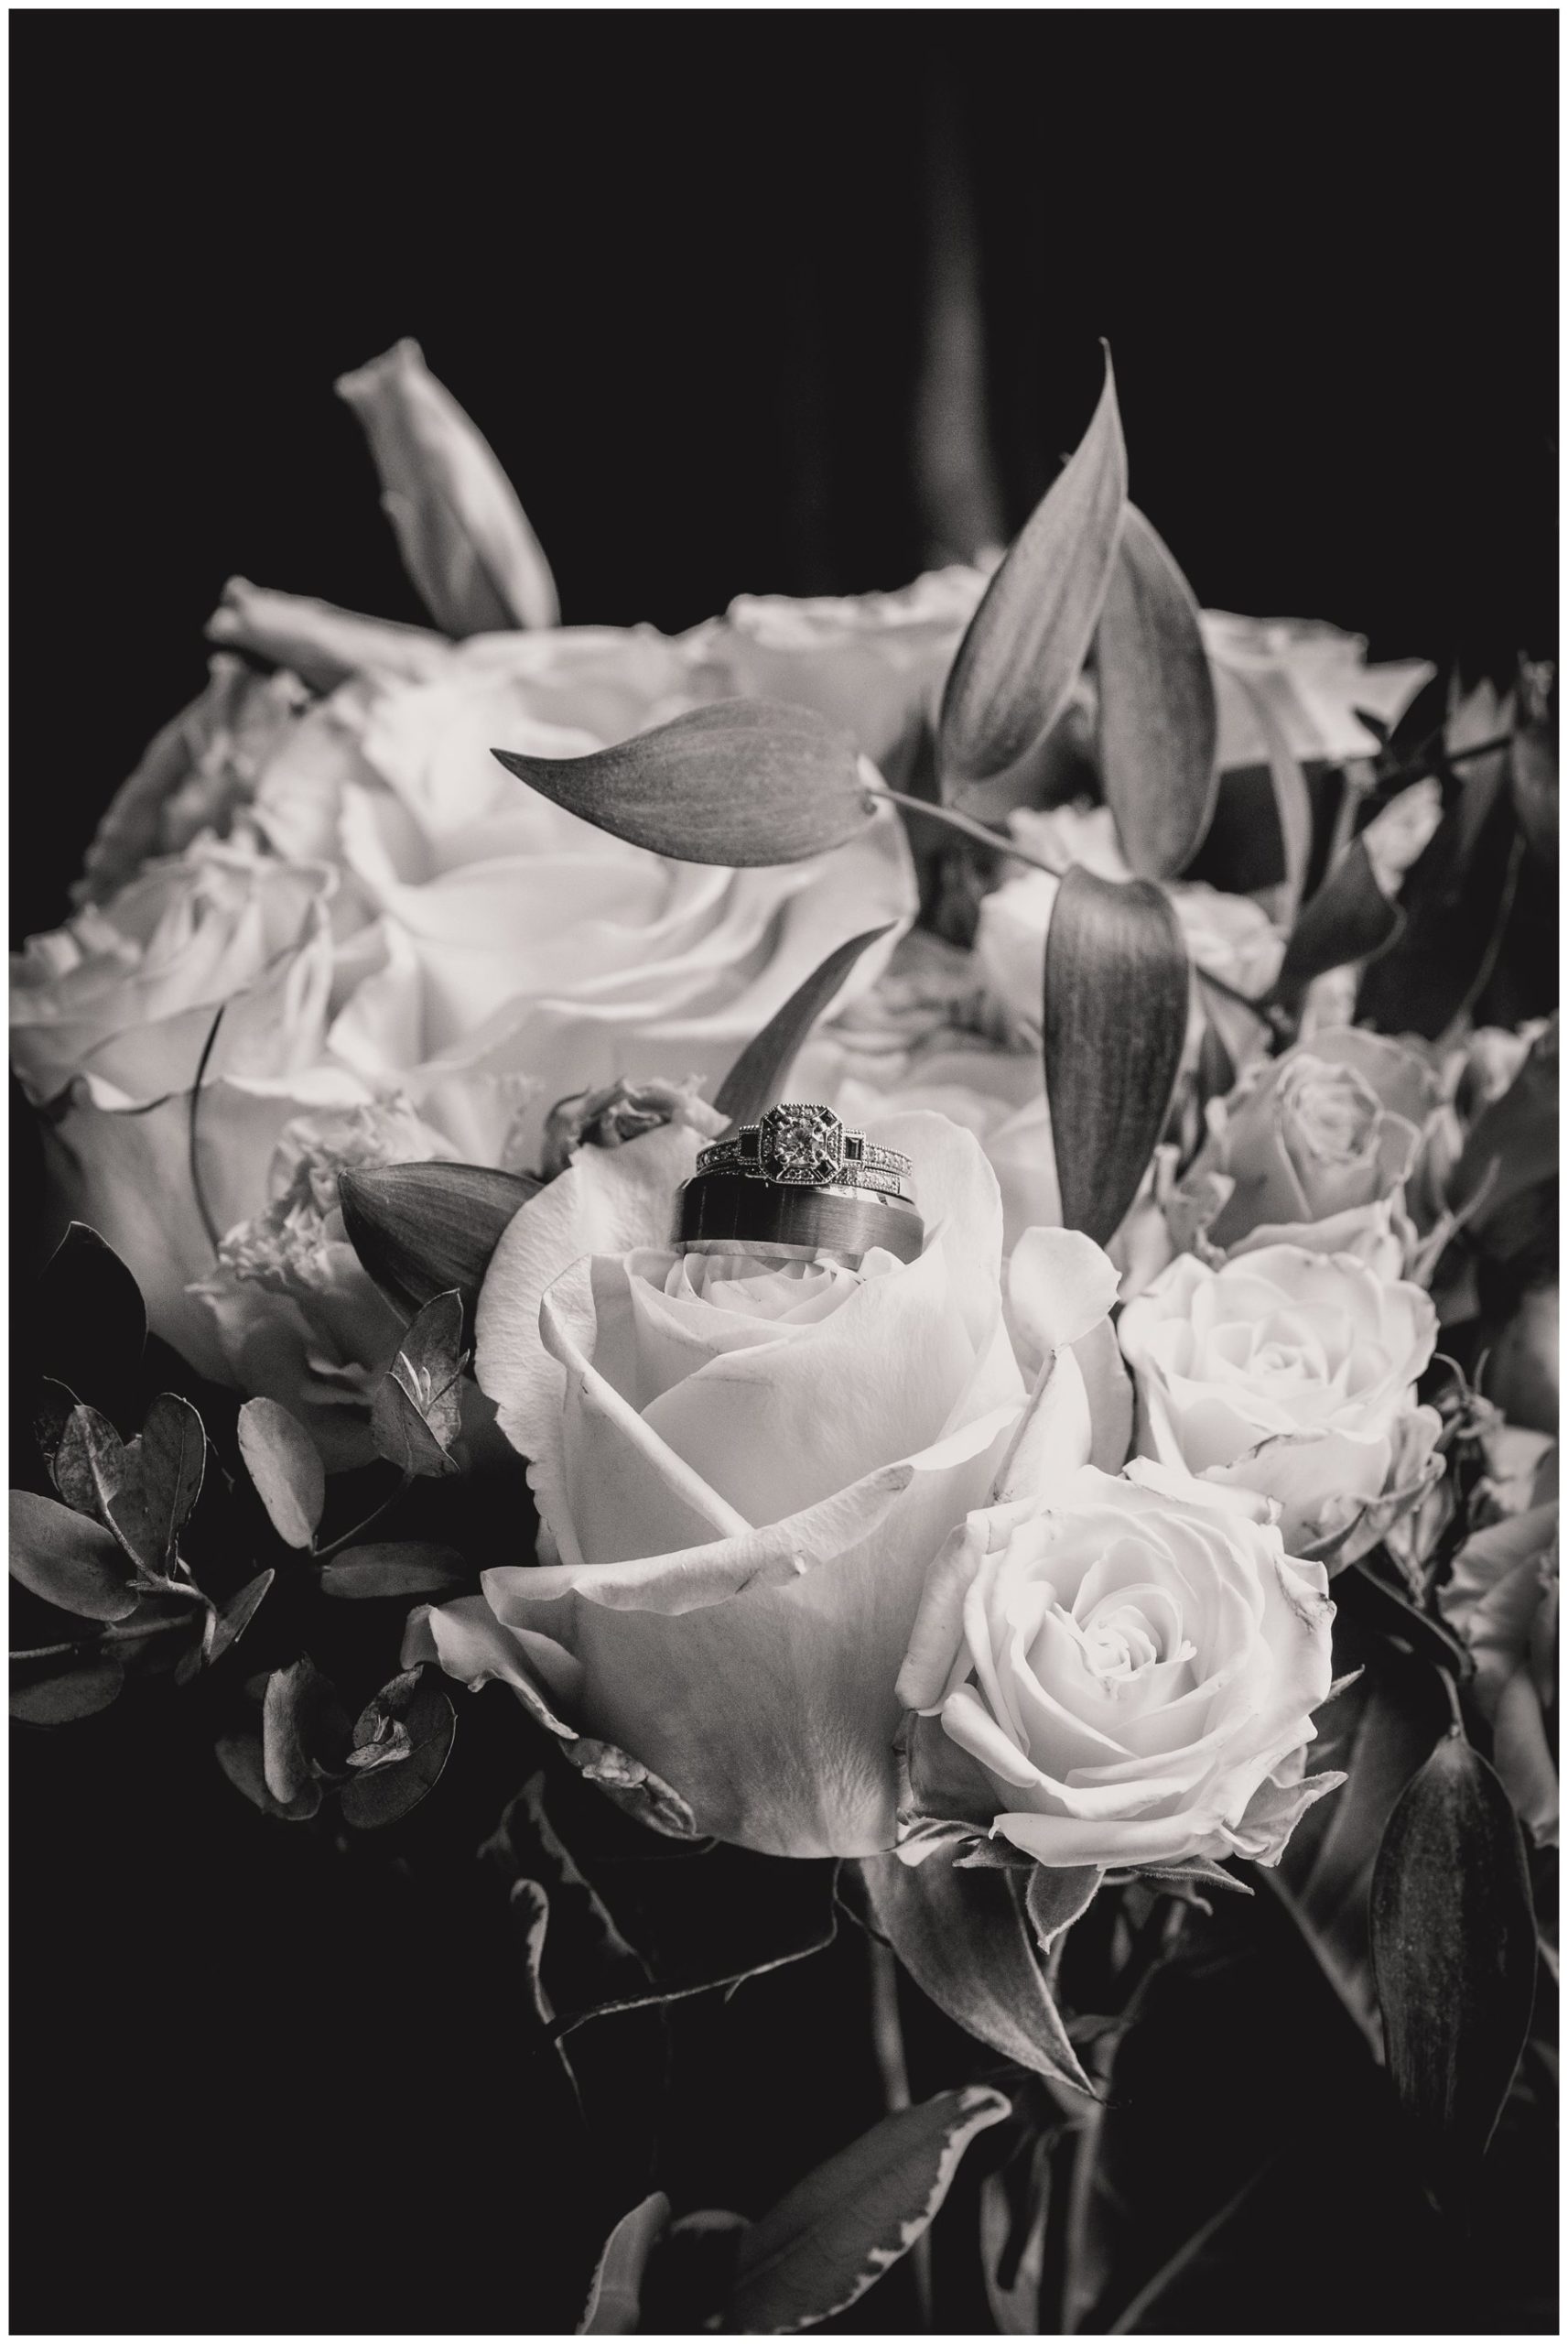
x=798, y=1183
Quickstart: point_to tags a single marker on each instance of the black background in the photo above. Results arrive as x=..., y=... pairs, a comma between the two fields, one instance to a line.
x=674, y=266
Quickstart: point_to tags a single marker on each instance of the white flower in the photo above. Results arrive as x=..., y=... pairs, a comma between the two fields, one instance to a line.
x=1290, y=1372
x=743, y=1469
x=1312, y=676
x=1124, y=1671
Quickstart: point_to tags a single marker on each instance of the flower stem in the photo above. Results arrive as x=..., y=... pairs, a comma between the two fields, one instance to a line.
x=887, y=2041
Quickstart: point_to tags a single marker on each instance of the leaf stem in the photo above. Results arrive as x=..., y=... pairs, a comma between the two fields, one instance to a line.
x=91, y=1644
x=971, y=828
x=887, y=2041
x=202, y=1206
x=324, y=1554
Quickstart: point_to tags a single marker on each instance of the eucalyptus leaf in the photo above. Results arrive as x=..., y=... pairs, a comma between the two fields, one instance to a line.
x=397, y=1568
x=236, y=1615
x=78, y=1690
x=241, y=1757
x=1117, y=989
x=835, y=2233
x=737, y=783
x=615, y=2292
x=304, y=1732
x=1158, y=726
x=427, y=1717
x=961, y=1933
x=1025, y=645
x=403, y=1436
x=1348, y=919
x=173, y=1461
x=68, y=1559
x=1454, y=1952
x=51, y=1413
x=286, y=1466
x=756, y=1081
x=417, y=1413
x=422, y=1230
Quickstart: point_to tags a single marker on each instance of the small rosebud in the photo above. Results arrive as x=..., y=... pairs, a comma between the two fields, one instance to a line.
x=607, y=1118
x=318, y=640
x=464, y=538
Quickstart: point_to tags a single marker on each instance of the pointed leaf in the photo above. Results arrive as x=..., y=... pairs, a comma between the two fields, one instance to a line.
x=174, y=1459
x=237, y=1614
x=756, y=1080
x=428, y=1364
x=402, y=1435
x=1027, y=642
x=1117, y=985
x=68, y=1559
x=1455, y=899
x=1453, y=1952
x=80, y=1690
x=422, y=1230
x=960, y=1933
x=1158, y=726
x=1349, y=919
x=738, y=782
x=615, y=2292
x=398, y=1567
x=1293, y=803
x=286, y=1466
x=836, y=2232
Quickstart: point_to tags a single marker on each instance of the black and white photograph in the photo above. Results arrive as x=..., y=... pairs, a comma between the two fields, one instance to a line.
x=784, y=1273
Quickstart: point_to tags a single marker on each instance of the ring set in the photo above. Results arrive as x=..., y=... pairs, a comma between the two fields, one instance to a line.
x=798, y=1183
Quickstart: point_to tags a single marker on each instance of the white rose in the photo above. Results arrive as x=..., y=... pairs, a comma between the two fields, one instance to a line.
x=1119, y=1671
x=1290, y=1372
x=743, y=1469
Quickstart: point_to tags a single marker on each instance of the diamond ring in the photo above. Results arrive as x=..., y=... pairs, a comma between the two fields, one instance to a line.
x=800, y=1146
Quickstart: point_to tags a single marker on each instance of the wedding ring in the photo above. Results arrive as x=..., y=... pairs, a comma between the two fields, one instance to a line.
x=727, y=1211
x=801, y=1146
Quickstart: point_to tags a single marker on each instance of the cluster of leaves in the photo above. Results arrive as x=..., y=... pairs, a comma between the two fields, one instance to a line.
x=133, y=1566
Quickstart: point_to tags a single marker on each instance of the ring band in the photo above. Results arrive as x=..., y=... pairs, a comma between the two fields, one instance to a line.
x=801, y=1146
x=715, y=1208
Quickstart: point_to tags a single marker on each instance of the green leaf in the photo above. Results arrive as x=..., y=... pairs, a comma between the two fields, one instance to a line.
x=1453, y=1952
x=737, y=783
x=417, y=1413
x=383, y=1794
x=1513, y=1142
x=756, y=1081
x=1027, y=643
x=399, y=1568
x=422, y=1230
x=79, y=1690
x=615, y=2292
x=961, y=1933
x=68, y=1559
x=91, y=1321
x=241, y=1757
x=236, y=1615
x=1015, y=2205
x=1158, y=726
x=304, y=1732
x=1455, y=898
x=286, y=1466
x=1293, y=802
x=1349, y=919
x=51, y=1413
x=834, y=2235
x=1117, y=989
x=173, y=1461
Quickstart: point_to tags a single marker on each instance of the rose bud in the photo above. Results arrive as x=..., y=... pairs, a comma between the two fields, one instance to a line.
x=465, y=539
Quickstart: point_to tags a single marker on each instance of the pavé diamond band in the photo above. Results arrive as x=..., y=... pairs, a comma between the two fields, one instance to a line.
x=802, y=1147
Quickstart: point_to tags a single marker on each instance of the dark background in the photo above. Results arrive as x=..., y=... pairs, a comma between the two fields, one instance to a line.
x=678, y=267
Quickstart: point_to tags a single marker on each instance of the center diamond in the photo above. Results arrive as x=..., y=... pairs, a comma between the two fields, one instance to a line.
x=800, y=1145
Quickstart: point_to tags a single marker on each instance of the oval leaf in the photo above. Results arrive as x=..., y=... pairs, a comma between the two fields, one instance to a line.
x=237, y=1614
x=1027, y=643
x=174, y=1458
x=79, y=1691
x=422, y=1230
x=1349, y=919
x=756, y=1080
x=961, y=1932
x=741, y=782
x=282, y=1460
x=1117, y=985
x=835, y=2234
x=1158, y=726
x=396, y=1569
x=384, y=1795
x=615, y=2292
x=1453, y=1953
x=68, y=1559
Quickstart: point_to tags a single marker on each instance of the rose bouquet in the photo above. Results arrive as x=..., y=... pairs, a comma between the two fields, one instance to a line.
x=1131, y=1559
